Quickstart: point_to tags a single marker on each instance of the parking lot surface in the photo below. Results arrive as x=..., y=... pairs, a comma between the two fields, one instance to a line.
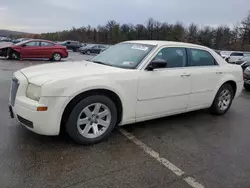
x=213, y=151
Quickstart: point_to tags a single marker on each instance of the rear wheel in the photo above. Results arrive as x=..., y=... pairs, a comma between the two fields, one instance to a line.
x=92, y=120
x=56, y=57
x=223, y=100
x=88, y=52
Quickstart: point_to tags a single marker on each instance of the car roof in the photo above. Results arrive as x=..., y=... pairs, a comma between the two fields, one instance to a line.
x=40, y=40
x=166, y=43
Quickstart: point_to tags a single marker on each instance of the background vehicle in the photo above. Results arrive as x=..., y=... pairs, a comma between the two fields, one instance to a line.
x=244, y=62
x=71, y=45
x=148, y=80
x=95, y=49
x=225, y=54
x=247, y=78
x=235, y=56
x=5, y=39
x=35, y=49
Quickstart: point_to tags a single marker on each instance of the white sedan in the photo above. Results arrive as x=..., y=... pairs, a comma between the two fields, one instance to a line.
x=129, y=82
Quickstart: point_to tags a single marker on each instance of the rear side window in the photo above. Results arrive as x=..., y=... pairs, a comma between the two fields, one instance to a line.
x=236, y=54
x=46, y=44
x=198, y=57
x=74, y=43
x=32, y=44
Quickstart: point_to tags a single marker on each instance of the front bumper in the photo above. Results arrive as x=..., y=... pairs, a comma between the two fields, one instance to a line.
x=25, y=110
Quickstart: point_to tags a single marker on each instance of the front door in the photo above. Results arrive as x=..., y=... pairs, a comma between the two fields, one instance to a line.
x=205, y=76
x=31, y=50
x=164, y=90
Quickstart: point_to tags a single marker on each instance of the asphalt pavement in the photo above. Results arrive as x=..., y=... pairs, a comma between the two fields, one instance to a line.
x=184, y=151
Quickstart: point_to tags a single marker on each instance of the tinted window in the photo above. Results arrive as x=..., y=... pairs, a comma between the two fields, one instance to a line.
x=175, y=57
x=46, y=44
x=236, y=54
x=74, y=42
x=200, y=58
x=34, y=43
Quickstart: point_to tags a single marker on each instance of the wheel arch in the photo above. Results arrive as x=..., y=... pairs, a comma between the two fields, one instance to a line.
x=71, y=104
x=233, y=84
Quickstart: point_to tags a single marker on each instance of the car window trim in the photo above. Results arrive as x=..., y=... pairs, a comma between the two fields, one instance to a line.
x=189, y=64
x=154, y=55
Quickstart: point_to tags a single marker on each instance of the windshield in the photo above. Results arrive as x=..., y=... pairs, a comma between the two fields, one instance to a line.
x=124, y=55
x=20, y=43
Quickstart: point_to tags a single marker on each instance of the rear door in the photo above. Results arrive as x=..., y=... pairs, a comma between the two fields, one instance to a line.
x=205, y=75
x=31, y=50
x=46, y=49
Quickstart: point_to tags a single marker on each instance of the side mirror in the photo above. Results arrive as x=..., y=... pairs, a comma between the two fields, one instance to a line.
x=24, y=45
x=157, y=63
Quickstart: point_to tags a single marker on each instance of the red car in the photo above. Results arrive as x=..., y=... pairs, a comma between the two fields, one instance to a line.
x=30, y=49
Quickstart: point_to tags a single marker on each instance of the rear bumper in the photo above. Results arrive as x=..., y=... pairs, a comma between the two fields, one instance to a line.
x=239, y=88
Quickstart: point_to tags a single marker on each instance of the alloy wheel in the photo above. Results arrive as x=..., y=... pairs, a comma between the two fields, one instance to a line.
x=94, y=120
x=224, y=100
x=57, y=57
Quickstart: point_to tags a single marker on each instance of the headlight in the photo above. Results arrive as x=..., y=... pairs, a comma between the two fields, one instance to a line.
x=33, y=92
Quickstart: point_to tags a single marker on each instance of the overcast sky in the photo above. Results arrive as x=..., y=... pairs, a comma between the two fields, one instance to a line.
x=52, y=15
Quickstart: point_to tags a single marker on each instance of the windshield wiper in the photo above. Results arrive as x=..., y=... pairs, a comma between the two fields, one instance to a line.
x=102, y=63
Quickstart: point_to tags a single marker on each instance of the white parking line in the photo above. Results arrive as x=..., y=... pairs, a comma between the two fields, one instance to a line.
x=177, y=171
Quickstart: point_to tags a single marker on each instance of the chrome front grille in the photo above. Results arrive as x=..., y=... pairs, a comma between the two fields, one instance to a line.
x=13, y=91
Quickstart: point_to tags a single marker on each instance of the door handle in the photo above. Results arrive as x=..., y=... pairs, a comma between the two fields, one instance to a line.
x=185, y=74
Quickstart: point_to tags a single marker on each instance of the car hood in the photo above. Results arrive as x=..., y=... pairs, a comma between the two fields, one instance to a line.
x=5, y=45
x=42, y=74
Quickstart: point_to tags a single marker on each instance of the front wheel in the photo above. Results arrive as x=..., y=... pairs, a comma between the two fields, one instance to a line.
x=92, y=120
x=15, y=55
x=223, y=100
x=88, y=52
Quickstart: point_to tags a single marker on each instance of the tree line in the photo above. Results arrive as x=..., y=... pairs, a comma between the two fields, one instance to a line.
x=221, y=37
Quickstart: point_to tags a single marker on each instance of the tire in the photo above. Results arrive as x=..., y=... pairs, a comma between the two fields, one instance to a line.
x=247, y=87
x=15, y=56
x=88, y=52
x=225, y=94
x=56, y=57
x=91, y=131
x=74, y=50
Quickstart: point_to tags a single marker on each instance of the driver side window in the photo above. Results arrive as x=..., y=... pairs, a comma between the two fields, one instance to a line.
x=175, y=57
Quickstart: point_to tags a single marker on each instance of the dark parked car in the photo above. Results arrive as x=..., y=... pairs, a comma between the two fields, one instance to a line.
x=95, y=49
x=71, y=45
x=34, y=49
x=247, y=78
